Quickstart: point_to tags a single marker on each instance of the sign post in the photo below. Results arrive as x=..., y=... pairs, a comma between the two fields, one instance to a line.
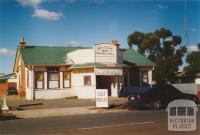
x=101, y=98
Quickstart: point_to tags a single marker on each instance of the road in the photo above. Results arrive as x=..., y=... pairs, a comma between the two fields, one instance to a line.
x=118, y=123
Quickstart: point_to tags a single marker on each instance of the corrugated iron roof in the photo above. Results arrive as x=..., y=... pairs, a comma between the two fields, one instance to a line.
x=54, y=55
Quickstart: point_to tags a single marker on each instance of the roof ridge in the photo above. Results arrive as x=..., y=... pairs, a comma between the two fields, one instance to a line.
x=57, y=46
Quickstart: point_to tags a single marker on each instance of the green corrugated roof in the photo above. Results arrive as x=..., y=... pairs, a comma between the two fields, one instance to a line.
x=97, y=64
x=54, y=55
x=46, y=55
x=132, y=56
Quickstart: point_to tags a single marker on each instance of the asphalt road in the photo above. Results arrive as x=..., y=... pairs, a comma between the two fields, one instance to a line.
x=118, y=123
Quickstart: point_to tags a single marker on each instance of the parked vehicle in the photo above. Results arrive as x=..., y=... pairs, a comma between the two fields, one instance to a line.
x=12, y=91
x=156, y=98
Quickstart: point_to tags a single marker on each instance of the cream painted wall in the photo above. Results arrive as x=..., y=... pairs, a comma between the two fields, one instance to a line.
x=150, y=76
x=78, y=86
x=197, y=80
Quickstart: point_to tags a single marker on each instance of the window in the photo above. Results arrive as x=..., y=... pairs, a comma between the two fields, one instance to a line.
x=66, y=79
x=173, y=111
x=53, y=78
x=181, y=111
x=87, y=80
x=190, y=111
x=39, y=80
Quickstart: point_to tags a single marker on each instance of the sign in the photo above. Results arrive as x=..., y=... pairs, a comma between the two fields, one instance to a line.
x=105, y=50
x=108, y=71
x=182, y=115
x=101, y=97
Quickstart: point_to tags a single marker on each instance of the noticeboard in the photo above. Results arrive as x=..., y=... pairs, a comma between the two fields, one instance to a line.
x=101, y=97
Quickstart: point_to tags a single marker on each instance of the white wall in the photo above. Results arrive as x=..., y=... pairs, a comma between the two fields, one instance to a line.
x=197, y=80
x=78, y=85
x=29, y=88
x=54, y=94
x=150, y=77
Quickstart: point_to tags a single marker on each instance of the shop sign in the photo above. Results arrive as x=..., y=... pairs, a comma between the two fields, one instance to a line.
x=106, y=71
x=105, y=50
x=101, y=97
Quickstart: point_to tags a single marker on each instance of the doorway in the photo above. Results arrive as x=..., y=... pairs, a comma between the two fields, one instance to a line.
x=104, y=82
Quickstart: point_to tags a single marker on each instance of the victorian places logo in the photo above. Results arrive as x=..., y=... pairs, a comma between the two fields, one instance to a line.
x=182, y=115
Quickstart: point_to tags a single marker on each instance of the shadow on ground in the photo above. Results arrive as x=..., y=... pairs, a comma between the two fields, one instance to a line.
x=7, y=116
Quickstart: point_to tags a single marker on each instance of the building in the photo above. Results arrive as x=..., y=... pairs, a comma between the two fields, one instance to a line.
x=7, y=82
x=185, y=77
x=48, y=72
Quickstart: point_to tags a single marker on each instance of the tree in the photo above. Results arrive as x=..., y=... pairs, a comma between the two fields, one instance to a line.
x=163, y=48
x=193, y=59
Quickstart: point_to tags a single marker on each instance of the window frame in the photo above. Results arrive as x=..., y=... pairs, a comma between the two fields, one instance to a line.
x=66, y=79
x=90, y=80
x=35, y=73
x=53, y=70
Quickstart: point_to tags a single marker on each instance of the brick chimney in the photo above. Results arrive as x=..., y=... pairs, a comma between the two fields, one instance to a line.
x=116, y=43
x=22, y=43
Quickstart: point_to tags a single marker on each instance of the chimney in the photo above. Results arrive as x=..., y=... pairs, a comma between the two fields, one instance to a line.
x=22, y=43
x=116, y=43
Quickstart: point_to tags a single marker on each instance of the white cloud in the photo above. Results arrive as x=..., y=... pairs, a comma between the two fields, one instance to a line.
x=49, y=15
x=162, y=6
x=40, y=12
x=33, y=3
x=194, y=30
x=6, y=52
x=73, y=43
x=192, y=48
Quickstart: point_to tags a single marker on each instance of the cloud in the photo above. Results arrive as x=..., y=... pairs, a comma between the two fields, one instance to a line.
x=73, y=43
x=49, y=15
x=33, y=3
x=194, y=30
x=40, y=12
x=192, y=48
x=161, y=6
x=6, y=52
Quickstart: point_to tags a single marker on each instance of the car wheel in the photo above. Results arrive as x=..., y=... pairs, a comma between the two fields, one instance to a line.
x=155, y=105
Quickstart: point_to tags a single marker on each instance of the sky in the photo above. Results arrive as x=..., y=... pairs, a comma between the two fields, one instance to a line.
x=86, y=22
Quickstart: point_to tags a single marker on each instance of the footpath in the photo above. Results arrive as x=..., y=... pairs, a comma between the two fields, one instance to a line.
x=58, y=107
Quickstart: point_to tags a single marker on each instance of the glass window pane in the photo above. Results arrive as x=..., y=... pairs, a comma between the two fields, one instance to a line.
x=53, y=76
x=66, y=76
x=181, y=111
x=190, y=111
x=173, y=111
x=87, y=80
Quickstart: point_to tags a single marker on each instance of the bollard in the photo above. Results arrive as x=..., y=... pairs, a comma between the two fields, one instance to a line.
x=4, y=106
